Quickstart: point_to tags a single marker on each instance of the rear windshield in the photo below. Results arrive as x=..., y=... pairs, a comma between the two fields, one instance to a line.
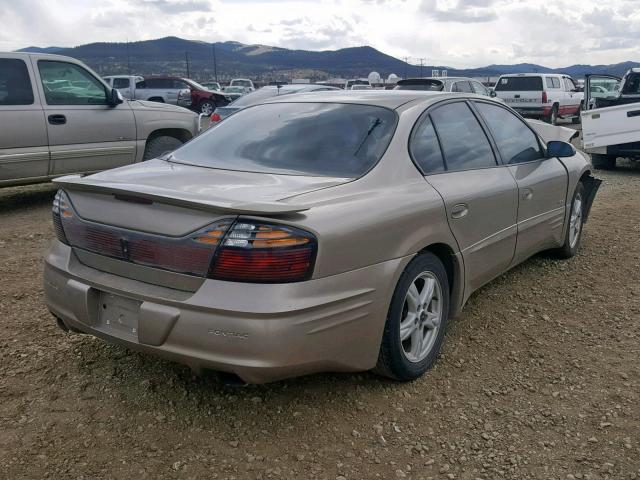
x=519, y=84
x=429, y=85
x=315, y=139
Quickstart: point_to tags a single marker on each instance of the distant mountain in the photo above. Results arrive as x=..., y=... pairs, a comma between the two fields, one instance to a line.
x=41, y=50
x=170, y=55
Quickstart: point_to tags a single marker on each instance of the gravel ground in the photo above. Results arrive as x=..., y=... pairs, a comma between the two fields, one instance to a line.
x=539, y=379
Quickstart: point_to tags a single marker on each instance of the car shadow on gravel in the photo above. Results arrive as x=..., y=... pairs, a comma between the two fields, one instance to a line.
x=28, y=197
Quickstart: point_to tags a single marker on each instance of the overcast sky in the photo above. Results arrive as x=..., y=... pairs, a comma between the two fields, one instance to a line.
x=458, y=33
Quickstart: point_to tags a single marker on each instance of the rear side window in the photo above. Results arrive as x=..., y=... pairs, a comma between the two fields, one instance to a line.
x=464, y=144
x=516, y=142
x=121, y=83
x=553, y=82
x=425, y=148
x=461, y=87
x=519, y=84
x=313, y=139
x=15, y=85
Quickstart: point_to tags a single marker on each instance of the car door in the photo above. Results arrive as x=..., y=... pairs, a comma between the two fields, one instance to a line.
x=542, y=182
x=24, y=151
x=86, y=134
x=480, y=197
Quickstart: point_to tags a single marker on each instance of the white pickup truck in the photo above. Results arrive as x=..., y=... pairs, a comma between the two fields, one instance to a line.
x=547, y=96
x=163, y=90
x=611, y=118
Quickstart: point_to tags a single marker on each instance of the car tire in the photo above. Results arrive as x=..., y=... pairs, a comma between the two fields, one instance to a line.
x=603, y=162
x=573, y=234
x=577, y=119
x=207, y=107
x=408, y=359
x=160, y=145
x=553, y=116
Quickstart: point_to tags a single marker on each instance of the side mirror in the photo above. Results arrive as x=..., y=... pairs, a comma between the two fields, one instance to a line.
x=556, y=148
x=493, y=94
x=114, y=97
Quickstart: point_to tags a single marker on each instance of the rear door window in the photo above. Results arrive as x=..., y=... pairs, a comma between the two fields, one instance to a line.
x=15, y=84
x=553, y=82
x=464, y=143
x=425, y=148
x=519, y=84
x=516, y=142
x=120, y=83
x=313, y=139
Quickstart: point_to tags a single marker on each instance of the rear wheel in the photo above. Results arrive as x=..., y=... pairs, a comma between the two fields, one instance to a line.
x=553, y=116
x=577, y=119
x=416, y=322
x=603, y=162
x=573, y=235
x=160, y=145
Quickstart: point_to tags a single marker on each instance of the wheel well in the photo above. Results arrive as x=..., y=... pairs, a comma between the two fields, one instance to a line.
x=445, y=254
x=156, y=99
x=180, y=134
x=585, y=175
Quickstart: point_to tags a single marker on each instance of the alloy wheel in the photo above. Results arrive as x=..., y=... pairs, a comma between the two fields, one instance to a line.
x=421, y=317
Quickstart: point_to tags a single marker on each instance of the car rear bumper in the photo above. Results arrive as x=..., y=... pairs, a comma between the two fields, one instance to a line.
x=261, y=333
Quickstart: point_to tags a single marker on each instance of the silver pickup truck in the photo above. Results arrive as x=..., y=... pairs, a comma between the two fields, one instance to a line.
x=58, y=117
x=164, y=90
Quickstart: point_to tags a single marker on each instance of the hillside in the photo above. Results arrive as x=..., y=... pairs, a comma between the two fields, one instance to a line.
x=170, y=54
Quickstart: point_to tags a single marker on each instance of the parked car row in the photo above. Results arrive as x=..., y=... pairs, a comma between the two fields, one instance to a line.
x=174, y=90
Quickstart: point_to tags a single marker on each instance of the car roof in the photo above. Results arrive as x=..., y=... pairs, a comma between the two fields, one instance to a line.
x=535, y=75
x=392, y=99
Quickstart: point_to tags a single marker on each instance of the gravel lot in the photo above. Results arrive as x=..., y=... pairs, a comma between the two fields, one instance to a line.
x=539, y=380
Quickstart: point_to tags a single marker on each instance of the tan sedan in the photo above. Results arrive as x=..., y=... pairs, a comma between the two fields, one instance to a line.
x=320, y=232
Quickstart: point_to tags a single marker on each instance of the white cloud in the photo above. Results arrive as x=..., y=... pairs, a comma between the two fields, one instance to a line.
x=458, y=33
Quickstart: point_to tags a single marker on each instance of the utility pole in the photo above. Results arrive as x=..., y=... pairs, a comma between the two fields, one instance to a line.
x=128, y=57
x=422, y=60
x=186, y=57
x=406, y=62
x=215, y=64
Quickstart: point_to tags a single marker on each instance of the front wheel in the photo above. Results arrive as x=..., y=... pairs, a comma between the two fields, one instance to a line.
x=416, y=322
x=207, y=107
x=573, y=235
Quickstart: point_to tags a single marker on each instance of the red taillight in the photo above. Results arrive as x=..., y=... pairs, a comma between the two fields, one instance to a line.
x=261, y=253
x=215, y=117
x=544, y=97
x=244, y=251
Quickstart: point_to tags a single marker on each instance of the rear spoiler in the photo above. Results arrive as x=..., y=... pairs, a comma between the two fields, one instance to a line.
x=77, y=182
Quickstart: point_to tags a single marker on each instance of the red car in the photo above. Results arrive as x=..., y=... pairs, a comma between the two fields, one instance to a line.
x=203, y=100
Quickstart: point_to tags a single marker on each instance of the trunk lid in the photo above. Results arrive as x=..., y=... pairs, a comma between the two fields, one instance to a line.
x=173, y=199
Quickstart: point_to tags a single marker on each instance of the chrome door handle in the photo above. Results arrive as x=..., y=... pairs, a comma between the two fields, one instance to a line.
x=527, y=194
x=460, y=210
